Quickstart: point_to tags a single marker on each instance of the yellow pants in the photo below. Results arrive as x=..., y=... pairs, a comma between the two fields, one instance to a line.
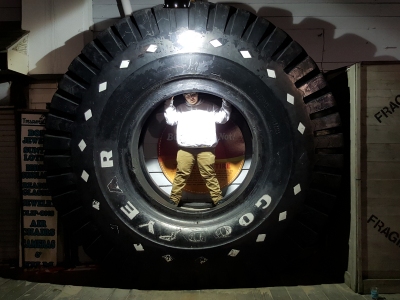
x=205, y=158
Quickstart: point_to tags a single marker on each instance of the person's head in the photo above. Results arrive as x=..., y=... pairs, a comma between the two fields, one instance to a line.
x=191, y=98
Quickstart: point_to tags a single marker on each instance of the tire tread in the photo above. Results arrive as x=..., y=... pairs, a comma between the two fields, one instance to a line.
x=237, y=23
x=146, y=23
x=60, y=103
x=58, y=123
x=256, y=31
x=82, y=70
x=111, y=42
x=128, y=31
x=56, y=142
x=95, y=55
x=218, y=18
x=272, y=42
x=72, y=86
x=198, y=16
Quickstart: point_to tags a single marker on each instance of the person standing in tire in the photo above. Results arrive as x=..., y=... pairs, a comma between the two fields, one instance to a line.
x=197, y=139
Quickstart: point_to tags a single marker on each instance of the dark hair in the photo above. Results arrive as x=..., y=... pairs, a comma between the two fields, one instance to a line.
x=190, y=94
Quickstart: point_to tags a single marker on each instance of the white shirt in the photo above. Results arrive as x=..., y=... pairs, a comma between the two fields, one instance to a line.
x=196, y=123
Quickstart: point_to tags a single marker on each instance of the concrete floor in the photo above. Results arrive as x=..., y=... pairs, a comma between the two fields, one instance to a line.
x=19, y=289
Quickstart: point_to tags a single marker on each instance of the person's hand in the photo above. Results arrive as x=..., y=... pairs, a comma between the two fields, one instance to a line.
x=169, y=102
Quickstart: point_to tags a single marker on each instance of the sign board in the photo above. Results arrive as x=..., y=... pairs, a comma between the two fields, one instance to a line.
x=39, y=217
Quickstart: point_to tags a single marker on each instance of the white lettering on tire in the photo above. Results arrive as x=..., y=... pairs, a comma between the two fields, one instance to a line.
x=129, y=210
x=267, y=199
x=246, y=219
x=106, y=159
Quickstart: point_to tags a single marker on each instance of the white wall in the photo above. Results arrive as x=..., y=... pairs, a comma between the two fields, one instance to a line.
x=58, y=32
x=334, y=33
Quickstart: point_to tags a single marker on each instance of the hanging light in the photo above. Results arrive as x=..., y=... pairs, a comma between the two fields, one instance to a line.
x=176, y=3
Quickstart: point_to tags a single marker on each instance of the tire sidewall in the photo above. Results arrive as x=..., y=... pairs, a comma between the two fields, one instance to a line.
x=119, y=113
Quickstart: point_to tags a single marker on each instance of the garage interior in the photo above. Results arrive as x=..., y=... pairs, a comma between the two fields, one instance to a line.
x=354, y=45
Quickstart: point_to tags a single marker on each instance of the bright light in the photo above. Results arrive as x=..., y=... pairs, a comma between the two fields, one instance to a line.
x=190, y=40
x=177, y=3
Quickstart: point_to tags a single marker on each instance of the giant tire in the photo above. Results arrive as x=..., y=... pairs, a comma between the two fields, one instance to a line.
x=94, y=140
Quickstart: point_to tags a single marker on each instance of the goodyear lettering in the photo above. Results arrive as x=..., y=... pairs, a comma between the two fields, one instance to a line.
x=221, y=136
x=266, y=199
x=262, y=203
x=129, y=210
x=246, y=219
x=106, y=159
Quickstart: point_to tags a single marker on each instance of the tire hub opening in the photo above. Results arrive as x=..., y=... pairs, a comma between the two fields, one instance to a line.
x=231, y=163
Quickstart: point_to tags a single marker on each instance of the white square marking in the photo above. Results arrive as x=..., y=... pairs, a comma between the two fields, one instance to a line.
x=301, y=128
x=85, y=175
x=282, y=216
x=271, y=73
x=96, y=204
x=152, y=48
x=124, y=64
x=290, y=99
x=82, y=145
x=297, y=189
x=88, y=114
x=102, y=86
x=216, y=43
x=261, y=238
x=138, y=247
x=245, y=54
x=233, y=252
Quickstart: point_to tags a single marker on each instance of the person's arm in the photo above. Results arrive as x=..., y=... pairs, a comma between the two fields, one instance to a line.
x=222, y=115
x=170, y=113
